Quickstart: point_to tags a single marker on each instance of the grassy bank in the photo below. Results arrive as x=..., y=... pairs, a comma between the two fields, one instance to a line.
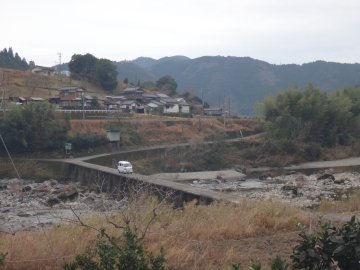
x=195, y=237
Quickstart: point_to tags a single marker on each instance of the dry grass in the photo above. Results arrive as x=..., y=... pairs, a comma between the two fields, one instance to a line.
x=156, y=129
x=89, y=126
x=26, y=84
x=196, y=237
x=349, y=204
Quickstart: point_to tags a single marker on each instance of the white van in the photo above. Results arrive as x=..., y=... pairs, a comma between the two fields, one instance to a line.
x=124, y=167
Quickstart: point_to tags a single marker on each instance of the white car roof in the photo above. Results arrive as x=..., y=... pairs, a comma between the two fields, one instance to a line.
x=122, y=161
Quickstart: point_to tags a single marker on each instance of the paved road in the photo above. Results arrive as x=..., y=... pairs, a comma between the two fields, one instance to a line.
x=347, y=162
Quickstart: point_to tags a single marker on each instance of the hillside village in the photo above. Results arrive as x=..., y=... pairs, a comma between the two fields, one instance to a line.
x=132, y=99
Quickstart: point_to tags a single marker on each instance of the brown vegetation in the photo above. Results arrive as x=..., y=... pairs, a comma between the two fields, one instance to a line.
x=157, y=129
x=26, y=84
x=195, y=237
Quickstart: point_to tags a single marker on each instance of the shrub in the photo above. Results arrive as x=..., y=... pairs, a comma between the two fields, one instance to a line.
x=108, y=253
x=271, y=147
x=2, y=258
x=288, y=146
x=313, y=151
x=278, y=263
x=87, y=140
x=254, y=265
x=236, y=266
x=331, y=245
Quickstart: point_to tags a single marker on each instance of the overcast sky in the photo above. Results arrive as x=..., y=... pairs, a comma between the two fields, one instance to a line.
x=276, y=31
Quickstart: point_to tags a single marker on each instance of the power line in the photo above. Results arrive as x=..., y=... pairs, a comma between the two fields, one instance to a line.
x=36, y=214
x=12, y=162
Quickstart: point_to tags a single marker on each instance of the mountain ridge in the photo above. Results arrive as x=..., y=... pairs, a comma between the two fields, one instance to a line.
x=242, y=80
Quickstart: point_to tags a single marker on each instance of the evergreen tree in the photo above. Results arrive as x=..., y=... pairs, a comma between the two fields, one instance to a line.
x=167, y=84
x=101, y=72
x=9, y=60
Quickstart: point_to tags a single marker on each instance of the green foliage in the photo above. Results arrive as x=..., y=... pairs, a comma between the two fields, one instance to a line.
x=167, y=84
x=347, y=243
x=110, y=253
x=2, y=258
x=254, y=265
x=105, y=74
x=9, y=60
x=313, y=151
x=101, y=72
x=278, y=263
x=82, y=67
x=314, y=117
x=95, y=103
x=332, y=245
x=131, y=134
x=34, y=127
x=236, y=266
x=87, y=141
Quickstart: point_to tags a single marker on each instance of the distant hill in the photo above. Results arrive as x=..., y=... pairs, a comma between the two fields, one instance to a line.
x=133, y=72
x=242, y=80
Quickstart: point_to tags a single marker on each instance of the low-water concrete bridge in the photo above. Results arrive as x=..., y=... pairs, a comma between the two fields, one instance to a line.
x=93, y=175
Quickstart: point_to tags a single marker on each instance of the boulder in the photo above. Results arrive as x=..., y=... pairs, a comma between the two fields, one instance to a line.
x=68, y=195
x=51, y=182
x=290, y=186
x=3, y=184
x=24, y=214
x=326, y=175
x=26, y=188
x=52, y=200
x=340, y=181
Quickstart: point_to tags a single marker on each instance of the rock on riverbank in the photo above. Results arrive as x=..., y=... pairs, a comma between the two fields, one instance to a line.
x=26, y=205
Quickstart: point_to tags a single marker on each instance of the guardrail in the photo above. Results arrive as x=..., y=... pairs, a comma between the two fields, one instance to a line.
x=87, y=111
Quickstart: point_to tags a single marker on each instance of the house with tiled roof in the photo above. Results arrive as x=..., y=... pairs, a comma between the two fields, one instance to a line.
x=171, y=105
x=73, y=97
x=45, y=71
x=184, y=107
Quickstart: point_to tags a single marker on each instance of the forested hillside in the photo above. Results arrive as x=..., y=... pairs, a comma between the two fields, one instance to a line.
x=10, y=60
x=242, y=80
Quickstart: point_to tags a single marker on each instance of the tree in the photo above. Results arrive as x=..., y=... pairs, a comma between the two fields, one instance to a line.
x=314, y=117
x=95, y=102
x=9, y=60
x=106, y=74
x=101, y=72
x=34, y=127
x=82, y=67
x=167, y=84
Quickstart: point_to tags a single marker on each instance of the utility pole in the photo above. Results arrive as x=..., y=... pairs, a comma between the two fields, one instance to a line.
x=229, y=105
x=202, y=100
x=59, y=54
x=3, y=85
x=83, y=112
x=59, y=66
